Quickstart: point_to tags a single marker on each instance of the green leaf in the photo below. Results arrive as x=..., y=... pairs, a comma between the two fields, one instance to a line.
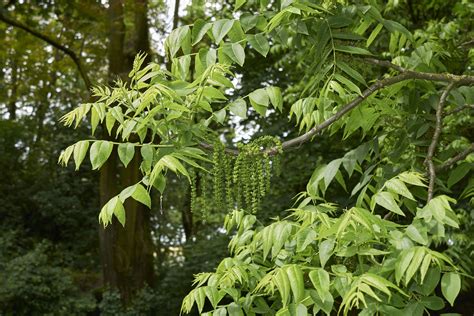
x=450, y=286
x=431, y=281
x=331, y=170
x=432, y=302
x=425, y=266
x=374, y=34
x=221, y=28
x=351, y=72
x=235, y=52
x=213, y=93
x=248, y=21
x=200, y=29
x=174, y=164
x=236, y=33
x=109, y=122
x=304, y=238
x=80, y=151
x=94, y=119
x=386, y=200
x=160, y=183
x=260, y=43
x=200, y=297
x=66, y=155
x=403, y=263
x=235, y=310
x=238, y=4
x=259, y=100
x=458, y=173
x=413, y=178
x=220, y=115
x=295, y=276
x=283, y=284
x=239, y=108
x=204, y=59
x=100, y=152
x=126, y=151
x=301, y=310
x=415, y=235
x=267, y=237
x=141, y=195
x=325, y=251
x=213, y=295
x=113, y=207
x=415, y=264
x=274, y=93
x=352, y=50
x=176, y=39
x=320, y=280
x=398, y=186
x=147, y=153
x=349, y=84
x=119, y=212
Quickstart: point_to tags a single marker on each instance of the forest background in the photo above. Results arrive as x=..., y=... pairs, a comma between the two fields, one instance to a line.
x=55, y=258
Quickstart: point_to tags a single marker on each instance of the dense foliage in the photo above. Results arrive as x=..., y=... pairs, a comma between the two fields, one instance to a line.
x=376, y=98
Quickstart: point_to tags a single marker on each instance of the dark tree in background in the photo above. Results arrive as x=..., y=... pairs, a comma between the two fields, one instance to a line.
x=55, y=258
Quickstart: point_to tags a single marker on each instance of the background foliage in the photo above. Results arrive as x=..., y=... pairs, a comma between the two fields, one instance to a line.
x=50, y=254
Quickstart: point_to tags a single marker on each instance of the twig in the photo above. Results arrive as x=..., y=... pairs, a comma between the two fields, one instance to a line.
x=384, y=63
x=231, y=151
x=435, y=139
x=451, y=161
x=75, y=58
x=459, y=109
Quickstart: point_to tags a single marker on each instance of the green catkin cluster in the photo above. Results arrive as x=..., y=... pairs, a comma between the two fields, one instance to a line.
x=237, y=181
x=193, y=190
x=252, y=172
x=219, y=177
x=205, y=196
x=229, y=196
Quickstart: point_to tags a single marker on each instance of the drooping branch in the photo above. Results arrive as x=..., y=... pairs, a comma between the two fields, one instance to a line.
x=51, y=41
x=451, y=161
x=435, y=139
x=380, y=84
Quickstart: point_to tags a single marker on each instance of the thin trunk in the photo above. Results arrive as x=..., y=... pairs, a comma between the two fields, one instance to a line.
x=13, y=95
x=187, y=218
x=176, y=14
x=126, y=252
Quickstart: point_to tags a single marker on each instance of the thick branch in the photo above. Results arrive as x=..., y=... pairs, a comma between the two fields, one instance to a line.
x=345, y=109
x=435, y=139
x=451, y=161
x=51, y=41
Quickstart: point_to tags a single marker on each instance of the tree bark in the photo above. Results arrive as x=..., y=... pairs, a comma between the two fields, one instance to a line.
x=126, y=252
x=13, y=94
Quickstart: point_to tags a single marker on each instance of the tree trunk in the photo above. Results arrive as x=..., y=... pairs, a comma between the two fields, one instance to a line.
x=126, y=252
x=13, y=94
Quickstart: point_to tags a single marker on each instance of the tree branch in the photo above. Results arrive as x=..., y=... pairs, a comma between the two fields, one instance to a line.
x=442, y=77
x=51, y=41
x=451, y=161
x=435, y=139
x=459, y=109
x=405, y=75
